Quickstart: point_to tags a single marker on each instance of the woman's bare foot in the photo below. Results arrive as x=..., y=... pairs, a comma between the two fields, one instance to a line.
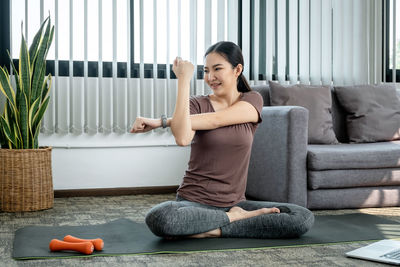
x=234, y=214
x=237, y=213
x=212, y=233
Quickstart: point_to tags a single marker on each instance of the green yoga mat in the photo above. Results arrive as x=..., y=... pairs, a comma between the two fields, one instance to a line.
x=123, y=236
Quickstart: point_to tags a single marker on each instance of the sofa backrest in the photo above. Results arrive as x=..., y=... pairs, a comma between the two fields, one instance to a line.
x=338, y=113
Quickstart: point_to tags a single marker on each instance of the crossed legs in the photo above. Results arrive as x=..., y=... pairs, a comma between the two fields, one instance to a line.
x=251, y=219
x=235, y=214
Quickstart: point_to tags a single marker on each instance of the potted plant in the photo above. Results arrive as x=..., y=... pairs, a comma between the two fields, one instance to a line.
x=25, y=168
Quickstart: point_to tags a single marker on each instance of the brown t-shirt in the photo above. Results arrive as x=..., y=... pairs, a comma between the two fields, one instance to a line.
x=219, y=158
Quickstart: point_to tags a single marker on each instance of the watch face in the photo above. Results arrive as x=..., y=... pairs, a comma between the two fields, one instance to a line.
x=164, y=121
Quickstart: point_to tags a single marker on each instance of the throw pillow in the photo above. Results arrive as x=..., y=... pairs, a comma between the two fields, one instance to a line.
x=373, y=112
x=318, y=101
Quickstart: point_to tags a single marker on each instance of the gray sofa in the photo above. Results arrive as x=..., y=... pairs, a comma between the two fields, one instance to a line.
x=284, y=168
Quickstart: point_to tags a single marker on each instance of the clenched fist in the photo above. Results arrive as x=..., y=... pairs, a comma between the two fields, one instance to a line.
x=142, y=125
x=183, y=69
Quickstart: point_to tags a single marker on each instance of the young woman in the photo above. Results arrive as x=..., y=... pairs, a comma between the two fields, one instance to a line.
x=220, y=128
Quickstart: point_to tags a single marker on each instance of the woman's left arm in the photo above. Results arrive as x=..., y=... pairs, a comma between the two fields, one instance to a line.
x=240, y=112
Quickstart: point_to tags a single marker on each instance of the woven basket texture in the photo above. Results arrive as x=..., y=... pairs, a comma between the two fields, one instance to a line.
x=26, y=182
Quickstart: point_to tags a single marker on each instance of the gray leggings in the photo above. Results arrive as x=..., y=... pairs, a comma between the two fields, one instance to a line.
x=183, y=218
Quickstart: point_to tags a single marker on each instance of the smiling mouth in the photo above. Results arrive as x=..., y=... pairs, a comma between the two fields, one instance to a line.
x=215, y=85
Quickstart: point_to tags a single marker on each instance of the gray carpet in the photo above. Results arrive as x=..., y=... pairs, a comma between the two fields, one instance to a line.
x=94, y=210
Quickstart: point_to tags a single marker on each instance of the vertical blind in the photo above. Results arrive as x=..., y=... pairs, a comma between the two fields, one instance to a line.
x=294, y=41
x=392, y=55
x=393, y=26
x=110, y=104
x=314, y=42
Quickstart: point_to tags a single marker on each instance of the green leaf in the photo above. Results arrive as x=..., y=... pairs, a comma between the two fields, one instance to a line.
x=9, y=111
x=32, y=111
x=16, y=75
x=6, y=88
x=11, y=115
x=45, y=89
x=39, y=114
x=14, y=119
x=37, y=120
x=46, y=86
x=25, y=85
x=50, y=39
x=23, y=118
x=24, y=69
x=3, y=140
x=33, y=49
x=16, y=135
x=11, y=118
x=36, y=136
x=7, y=130
x=34, y=98
x=40, y=65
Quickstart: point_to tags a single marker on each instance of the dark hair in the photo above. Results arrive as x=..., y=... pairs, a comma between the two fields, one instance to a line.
x=233, y=54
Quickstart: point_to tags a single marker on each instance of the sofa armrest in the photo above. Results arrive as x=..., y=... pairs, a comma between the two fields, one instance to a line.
x=277, y=170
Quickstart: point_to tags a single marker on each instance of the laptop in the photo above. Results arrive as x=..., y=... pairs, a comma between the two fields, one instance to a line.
x=387, y=251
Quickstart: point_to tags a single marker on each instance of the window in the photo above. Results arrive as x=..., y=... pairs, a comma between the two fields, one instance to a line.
x=97, y=43
x=392, y=40
x=101, y=24
x=309, y=42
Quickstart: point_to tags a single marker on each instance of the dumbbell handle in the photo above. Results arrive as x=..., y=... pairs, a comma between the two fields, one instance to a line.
x=83, y=247
x=97, y=243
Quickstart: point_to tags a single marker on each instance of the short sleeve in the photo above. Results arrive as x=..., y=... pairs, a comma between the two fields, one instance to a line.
x=194, y=105
x=256, y=100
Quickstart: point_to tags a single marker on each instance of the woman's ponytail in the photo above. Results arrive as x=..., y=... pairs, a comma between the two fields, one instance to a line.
x=242, y=84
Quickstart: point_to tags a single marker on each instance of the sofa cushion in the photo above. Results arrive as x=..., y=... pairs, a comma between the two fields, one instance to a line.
x=327, y=179
x=338, y=112
x=264, y=92
x=354, y=156
x=358, y=197
x=318, y=101
x=373, y=112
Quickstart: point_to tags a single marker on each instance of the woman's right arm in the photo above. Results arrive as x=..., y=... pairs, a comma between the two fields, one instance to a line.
x=180, y=123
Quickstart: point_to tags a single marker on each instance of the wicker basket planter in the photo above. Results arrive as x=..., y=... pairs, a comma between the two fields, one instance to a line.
x=26, y=182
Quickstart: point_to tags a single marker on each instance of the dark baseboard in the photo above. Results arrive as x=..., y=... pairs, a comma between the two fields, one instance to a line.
x=120, y=191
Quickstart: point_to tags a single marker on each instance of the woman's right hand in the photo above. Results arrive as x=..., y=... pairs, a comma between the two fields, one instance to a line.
x=142, y=125
x=183, y=69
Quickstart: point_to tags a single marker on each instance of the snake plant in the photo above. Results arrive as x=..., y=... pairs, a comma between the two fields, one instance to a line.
x=26, y=103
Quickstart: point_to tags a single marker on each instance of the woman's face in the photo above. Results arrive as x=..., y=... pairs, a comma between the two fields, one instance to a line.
x=219, y=74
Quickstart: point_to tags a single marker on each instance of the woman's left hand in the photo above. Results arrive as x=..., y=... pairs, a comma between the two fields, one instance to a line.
x=142, y=125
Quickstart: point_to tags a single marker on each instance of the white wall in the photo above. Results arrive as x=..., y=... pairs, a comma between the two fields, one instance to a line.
x=117, y=163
